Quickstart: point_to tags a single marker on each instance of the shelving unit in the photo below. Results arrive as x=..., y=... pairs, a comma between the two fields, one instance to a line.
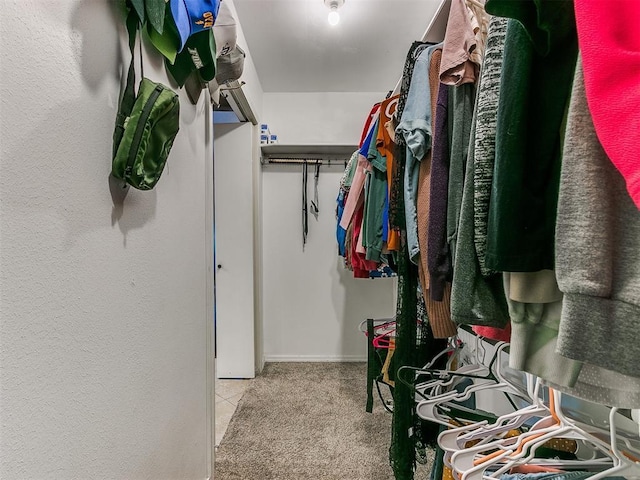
x=296, y=154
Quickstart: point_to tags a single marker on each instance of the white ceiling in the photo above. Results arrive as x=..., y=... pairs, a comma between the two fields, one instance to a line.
x=296, y=50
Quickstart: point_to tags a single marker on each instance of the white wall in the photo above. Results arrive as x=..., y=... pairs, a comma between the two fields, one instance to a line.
x=254, y=93
x=319, y=117
x=104, y=318
x=252, y=88
x=312, y=305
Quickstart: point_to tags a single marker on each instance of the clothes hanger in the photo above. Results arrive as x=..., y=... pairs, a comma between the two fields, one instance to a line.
x=363, y=324
x=442, y=382
x=626, y=435
x=493, y=375
x=481, y=433
x=436, y=404
x=526, y=447
x=465, y=461
x=455, y=440
x=446, y=374
x=624, y=465
x=385, y=340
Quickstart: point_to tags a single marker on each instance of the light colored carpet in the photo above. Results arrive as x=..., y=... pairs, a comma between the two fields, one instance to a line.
x=306, y=421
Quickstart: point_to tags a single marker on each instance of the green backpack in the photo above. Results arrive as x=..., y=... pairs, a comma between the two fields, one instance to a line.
x=146, y=125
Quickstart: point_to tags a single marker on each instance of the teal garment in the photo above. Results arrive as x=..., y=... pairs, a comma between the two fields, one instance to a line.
x=374, y=207
x=475, y=299
x=461, y=113
x=349, y=171
x=539, y=60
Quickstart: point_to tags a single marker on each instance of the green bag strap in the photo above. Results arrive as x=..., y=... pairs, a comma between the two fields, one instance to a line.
x=129, y=96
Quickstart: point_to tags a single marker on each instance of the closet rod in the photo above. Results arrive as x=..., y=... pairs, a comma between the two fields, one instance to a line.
x=298, y=161
x=439, y=20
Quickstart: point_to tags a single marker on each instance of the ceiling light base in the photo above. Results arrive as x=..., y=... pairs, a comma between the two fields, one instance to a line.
x=334, y=3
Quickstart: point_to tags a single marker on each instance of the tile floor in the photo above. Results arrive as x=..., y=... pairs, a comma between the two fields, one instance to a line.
x=228, y=394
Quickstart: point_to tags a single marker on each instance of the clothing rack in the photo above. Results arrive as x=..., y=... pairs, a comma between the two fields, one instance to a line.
x=318, y=154
x=300, y=161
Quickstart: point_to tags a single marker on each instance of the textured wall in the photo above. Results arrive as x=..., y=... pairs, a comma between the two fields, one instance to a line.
x=103, y=320
x=312, y=305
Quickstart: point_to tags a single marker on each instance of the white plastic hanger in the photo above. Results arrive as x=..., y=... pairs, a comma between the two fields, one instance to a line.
x=624, y=465
x=527, y=444
x=426, y=408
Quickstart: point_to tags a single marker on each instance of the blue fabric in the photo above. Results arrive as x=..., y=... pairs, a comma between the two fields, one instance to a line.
x=341, y=233
x=384, y=271
x=364, y=149
x=415, y=128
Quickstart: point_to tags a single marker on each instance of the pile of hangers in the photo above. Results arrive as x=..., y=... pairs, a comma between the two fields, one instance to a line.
x=483, y=445
x=381, y=335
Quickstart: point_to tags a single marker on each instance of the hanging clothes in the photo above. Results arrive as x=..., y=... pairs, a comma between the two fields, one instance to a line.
x=463, y=44
x=357, y=185
x=597, y=244
x=345, y=186
x=385, y=142
x=396, y=193
x=438, y=253
x=484, y=148
x=539, y=62
x=474, y=299
x=610, y=42
x=375, y=198
x=415, y=128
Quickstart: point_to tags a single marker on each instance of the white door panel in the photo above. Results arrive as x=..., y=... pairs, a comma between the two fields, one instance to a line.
x=235, y=349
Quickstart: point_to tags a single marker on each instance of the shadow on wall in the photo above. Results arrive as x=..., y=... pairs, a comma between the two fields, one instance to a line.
x=73, y=141
x=90, y=39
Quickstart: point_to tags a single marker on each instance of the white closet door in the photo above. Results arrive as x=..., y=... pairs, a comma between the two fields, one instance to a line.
x=233, y=231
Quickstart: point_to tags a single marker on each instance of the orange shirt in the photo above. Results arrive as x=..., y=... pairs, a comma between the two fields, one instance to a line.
x=385, y=143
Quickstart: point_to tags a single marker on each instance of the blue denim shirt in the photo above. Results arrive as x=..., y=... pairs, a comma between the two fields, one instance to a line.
x=415, y=127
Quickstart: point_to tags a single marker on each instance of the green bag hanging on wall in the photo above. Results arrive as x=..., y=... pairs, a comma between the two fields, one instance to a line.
x=146, y=125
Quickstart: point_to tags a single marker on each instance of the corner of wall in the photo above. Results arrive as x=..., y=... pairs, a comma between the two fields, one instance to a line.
x=257, y=251
x=255, y=94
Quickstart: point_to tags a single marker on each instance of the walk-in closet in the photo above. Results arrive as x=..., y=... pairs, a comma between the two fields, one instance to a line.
x=319, y=239
x=467, y=226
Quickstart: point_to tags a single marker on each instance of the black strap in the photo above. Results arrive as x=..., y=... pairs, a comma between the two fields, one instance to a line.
x=305, y=211
x=129, y=96
x=314, y=203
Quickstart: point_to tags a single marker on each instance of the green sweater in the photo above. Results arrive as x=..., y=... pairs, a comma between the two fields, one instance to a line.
x=539, y=61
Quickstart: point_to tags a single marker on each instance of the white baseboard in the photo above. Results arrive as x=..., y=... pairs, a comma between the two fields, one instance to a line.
x=315, y=358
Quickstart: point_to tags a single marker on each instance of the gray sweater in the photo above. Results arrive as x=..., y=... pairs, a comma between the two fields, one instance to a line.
x=597, y=251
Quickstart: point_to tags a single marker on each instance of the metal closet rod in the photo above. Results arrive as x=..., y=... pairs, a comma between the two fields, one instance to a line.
x=298, y=161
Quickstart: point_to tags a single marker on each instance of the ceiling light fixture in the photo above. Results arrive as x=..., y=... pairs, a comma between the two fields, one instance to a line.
x=334, y=16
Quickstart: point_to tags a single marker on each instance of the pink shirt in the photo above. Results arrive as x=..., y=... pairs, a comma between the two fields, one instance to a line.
x=609, y=40
x=355, y=192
